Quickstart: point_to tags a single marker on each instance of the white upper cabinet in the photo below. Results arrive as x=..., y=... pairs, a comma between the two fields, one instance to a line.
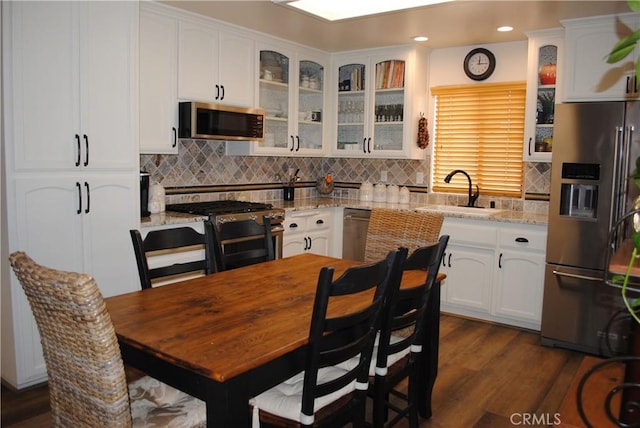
x=71, y=81
x=158, y=81
x=291, y=90
x=588, y=76
x=543, y=87
x=380, y=95
x=215, y=66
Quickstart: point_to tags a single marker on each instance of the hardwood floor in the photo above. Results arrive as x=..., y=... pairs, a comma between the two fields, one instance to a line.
x=487, y=373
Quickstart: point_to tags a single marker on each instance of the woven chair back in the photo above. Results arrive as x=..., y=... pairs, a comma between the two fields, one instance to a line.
x=87, y=383
x=390, y=229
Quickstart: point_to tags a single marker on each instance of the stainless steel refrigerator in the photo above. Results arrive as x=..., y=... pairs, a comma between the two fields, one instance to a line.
x=595, y=146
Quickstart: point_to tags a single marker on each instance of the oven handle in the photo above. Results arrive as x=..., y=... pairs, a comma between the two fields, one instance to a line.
x=576, y=276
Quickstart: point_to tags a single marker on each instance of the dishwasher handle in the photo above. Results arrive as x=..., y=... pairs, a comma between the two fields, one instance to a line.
x=356, y=218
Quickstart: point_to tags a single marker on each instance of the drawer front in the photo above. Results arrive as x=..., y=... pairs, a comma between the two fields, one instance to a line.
x=319, y=222
x=523, y=238
x=474, y=232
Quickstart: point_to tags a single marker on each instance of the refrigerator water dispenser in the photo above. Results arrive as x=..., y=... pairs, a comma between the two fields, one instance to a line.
x=579, y=200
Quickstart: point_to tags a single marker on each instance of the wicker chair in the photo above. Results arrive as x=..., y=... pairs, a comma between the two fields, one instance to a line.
x=390, y=229
x=87, y=383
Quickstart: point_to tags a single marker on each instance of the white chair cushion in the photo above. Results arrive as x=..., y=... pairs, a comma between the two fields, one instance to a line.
x=156, y=404
x=285, y=399
x=391, y=359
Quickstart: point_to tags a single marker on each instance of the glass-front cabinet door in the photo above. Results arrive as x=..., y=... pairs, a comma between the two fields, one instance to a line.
x=377, y=96
x=352, y=111
x=275, y=78
x=292, y=95
x=542, y=90
x=310, y=106
x=388, y=129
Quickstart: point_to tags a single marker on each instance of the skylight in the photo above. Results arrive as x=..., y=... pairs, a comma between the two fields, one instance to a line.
x=334, y=10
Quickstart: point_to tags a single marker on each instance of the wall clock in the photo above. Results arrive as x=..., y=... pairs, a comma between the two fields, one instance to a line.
x=479, y=64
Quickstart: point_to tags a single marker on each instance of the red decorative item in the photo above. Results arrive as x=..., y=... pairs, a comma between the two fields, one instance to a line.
x=423, y=132
x=547, y=74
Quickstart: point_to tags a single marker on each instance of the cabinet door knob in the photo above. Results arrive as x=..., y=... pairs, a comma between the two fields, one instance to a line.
x=217, y=92
x=298, y=143
x=530, y=140
x=222, y=96
x=500, y=261
x=521, y=239
x=320, y=221
x=449, y=260
x=293, y=225
x=292, y=144
x=175, y=137
x=310, y=243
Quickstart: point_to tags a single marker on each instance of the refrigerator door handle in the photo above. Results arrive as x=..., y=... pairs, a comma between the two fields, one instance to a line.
x=618, y=195
x=576, y=276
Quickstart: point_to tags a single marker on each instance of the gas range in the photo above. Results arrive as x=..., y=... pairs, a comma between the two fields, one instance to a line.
x=230, y=210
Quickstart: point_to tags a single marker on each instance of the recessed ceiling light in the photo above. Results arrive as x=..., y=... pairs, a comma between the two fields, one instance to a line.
x=505, y=28
x=334, y=10
x=420, y=38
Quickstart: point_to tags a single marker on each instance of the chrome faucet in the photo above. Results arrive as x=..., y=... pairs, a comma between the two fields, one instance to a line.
x=473, y=197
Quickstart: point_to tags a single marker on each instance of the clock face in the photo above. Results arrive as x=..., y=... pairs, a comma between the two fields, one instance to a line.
x=479, y=64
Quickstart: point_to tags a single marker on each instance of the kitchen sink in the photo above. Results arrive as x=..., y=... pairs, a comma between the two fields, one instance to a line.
x=454, y=209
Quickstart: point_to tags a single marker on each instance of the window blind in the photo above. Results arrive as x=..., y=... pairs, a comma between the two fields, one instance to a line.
x=480, y=129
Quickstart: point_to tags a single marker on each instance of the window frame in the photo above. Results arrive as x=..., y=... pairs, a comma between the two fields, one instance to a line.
x=479, y=128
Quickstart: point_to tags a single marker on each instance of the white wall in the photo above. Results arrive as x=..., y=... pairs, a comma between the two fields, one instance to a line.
x=445, y=66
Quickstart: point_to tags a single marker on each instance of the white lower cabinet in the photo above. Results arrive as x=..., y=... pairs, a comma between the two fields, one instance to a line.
x=72, y=223
x=309, y=231
x=495, y=271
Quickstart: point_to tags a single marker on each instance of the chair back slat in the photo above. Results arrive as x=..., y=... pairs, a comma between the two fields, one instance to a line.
x=173, y=241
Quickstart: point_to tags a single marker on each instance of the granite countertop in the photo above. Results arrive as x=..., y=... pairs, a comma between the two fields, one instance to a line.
x=166, y=218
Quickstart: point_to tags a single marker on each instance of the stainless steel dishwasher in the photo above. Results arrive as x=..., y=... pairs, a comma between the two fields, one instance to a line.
x=356, y=224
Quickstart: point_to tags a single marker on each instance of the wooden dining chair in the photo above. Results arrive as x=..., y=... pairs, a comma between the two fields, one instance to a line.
x=87, y=383
x=242, y=243
x=324, y=395
x=196, y=250
x=389, y=229
x=398, y=353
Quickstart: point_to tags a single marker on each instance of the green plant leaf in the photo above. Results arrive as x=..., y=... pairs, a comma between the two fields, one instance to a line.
x=617, y=279
x=634, y=5
x=623, y=47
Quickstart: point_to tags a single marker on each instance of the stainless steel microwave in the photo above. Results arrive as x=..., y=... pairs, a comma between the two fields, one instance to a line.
x=220, y=122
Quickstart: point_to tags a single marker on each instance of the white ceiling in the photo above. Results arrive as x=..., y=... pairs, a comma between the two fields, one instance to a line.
x=461, y=23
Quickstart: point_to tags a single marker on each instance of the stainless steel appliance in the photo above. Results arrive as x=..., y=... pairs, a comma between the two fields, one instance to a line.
x=226, y=211
x=355, y=226
x=594, y=150
x=220, y=122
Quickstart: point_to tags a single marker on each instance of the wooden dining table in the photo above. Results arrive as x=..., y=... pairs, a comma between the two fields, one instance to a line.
x=226, y=337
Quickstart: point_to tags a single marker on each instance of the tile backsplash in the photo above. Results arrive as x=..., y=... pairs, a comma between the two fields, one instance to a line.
x=204, y=162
